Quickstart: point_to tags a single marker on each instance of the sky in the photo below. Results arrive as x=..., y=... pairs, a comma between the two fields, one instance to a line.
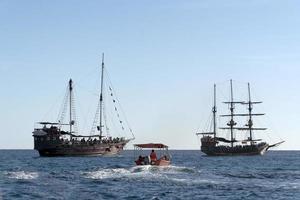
x=163, y=58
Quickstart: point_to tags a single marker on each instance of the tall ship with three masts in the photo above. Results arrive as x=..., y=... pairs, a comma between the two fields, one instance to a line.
x=214, y=145
x=53, y=138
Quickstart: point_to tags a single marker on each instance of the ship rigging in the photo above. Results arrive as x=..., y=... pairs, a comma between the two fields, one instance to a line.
x=53, y=140
x=214, y=145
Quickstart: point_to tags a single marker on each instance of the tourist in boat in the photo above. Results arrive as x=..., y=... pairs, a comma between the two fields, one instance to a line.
x=140, y=161
x=164, y=157
x=153, y=156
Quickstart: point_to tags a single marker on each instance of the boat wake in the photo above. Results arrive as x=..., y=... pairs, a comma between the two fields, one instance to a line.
x=139, y=172
x=22, y=175
x=106, y=173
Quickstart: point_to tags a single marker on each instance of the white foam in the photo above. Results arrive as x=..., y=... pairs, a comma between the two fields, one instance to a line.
x=134, y=172
x=178, y=169
x=152, y=172
x=107, y=173
x=22, y=175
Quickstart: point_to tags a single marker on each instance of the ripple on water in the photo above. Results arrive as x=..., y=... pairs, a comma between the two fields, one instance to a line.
x=263, y=175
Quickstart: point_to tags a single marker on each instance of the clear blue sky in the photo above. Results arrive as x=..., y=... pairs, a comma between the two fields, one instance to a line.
x=163, y=57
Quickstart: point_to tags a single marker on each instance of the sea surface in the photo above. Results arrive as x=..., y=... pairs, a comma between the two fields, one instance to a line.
x=25, y=175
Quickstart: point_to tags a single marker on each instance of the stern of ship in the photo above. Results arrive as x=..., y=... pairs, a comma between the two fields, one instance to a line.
x=208, y=143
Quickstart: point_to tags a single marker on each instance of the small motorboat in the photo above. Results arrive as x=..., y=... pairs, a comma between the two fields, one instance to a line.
x=159, y=155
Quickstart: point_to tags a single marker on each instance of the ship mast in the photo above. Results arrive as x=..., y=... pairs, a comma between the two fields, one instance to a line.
x=250, y=122
x=101, y=98
x=231, y=123
x=214, y=112
x=70, y=101
x=249, y=125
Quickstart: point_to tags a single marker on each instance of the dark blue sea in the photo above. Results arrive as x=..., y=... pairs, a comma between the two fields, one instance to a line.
x=25, y=175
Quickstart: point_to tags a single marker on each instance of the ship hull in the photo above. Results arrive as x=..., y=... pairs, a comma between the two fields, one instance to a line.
x=248, y=150
x=82, y=150
x=49, y=142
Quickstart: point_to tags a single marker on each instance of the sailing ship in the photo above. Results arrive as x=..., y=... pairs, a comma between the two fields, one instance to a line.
x=214, y=145
x=52, y=138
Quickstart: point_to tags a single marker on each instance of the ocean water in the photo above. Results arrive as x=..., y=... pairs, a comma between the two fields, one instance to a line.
x=25, y=175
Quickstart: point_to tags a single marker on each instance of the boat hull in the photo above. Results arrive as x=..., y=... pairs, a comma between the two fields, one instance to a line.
x=247, y=150
x=160, y=162
x=49, y=142
x=82, y=150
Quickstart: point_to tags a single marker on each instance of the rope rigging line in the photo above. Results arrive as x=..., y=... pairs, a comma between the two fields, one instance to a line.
x=85, y=115
x=105, y=116
x=111, y=99
x=95, y=122
x=63, y=108
x=76, y=124
x=114, y=126
x=116, y=110
x=116, y=101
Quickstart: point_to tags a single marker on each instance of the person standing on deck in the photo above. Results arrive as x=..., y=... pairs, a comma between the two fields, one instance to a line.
x=153, y=156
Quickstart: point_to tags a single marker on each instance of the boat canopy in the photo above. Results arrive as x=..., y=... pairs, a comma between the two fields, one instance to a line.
x=151, y=145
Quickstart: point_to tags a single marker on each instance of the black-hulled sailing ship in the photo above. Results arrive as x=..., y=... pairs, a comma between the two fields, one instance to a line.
x=52, y=139
x=214, y=145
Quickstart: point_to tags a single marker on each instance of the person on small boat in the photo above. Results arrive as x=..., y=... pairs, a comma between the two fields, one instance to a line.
x=164, y=157
x=140, y=161
x=153, y=156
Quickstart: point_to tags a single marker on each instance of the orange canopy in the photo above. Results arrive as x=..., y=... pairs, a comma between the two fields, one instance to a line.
x=151, y=145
